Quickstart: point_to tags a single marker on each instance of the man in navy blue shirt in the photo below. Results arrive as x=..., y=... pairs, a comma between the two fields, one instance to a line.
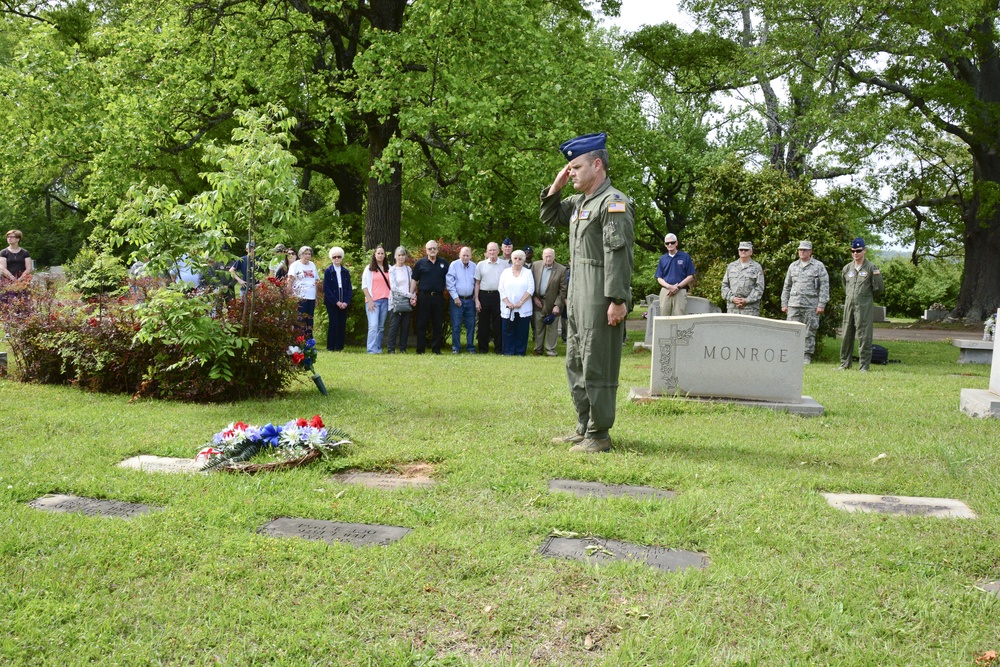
x=674, y=273
x=428, y=284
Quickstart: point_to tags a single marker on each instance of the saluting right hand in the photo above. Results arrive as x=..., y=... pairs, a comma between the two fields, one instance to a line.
x=562, y=178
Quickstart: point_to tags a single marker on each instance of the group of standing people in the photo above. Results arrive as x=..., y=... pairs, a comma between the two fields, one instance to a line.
x=804, y=295
x=504, y=295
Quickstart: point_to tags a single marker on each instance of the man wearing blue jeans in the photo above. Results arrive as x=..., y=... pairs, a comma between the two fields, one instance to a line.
x=461, y=285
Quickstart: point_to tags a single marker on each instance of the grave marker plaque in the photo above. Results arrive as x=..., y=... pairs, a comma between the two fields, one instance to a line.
x=383, y=481
x=991, y=587
x=358, y=534
x=166, y=464
x=91, y=506
x=600, y=550
x=908, y=505
x=601, y=490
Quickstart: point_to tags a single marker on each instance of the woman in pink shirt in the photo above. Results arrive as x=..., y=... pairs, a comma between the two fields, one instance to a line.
x=375, y=285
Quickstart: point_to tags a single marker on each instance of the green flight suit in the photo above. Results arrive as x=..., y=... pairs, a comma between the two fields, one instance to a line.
x=861, y=287
x=601, y=238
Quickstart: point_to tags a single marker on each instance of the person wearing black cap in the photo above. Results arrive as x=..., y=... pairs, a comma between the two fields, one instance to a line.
x=601, y=237
x=862, y=285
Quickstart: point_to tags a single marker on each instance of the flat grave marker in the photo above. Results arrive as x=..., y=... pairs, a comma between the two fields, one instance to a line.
x=385, y=481
x=599, y=550
x=358, y=534
x=166, y=464
x=991, y=586
x=601, y=490
x=91, y=506
x=908, y=505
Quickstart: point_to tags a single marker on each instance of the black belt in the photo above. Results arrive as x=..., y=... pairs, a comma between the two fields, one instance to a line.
x=434, y=293
x=489, y=291
x=467, y=296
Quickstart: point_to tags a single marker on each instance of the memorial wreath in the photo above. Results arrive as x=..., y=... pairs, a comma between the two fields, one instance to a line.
x=296, y=443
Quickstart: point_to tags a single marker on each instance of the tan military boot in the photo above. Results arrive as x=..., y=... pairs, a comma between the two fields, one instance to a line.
x=592, y=445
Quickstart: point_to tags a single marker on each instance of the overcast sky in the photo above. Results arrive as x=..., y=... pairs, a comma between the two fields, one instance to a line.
x=636, y=13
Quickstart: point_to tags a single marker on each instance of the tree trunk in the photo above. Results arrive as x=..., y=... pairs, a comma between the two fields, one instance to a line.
x=979, y=295
x=383, y=216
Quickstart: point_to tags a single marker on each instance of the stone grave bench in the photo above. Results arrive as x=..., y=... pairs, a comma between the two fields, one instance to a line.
x=974, y=351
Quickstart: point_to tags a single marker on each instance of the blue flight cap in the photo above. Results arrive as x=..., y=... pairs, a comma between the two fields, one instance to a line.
x=857, y=244
x=527, y=249
x=507, y=241
x=583, y=145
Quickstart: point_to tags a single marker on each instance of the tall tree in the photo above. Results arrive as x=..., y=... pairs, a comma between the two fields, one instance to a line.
x=938, y=65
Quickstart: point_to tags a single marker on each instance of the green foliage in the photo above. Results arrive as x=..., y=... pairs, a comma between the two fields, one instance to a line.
x=175, y=346
x=774, y=213
x=94, y=273
x=183, y=322
x=791, y=581
x=909, y=289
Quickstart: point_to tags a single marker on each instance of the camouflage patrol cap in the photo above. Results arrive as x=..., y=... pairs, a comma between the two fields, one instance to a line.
x=746, y=245
x=805, y=245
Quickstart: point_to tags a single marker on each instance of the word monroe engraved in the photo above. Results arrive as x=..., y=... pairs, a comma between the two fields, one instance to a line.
x=768, y=355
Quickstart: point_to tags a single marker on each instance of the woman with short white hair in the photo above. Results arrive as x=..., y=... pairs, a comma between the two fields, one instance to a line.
x=516, y=289
x=337, y=293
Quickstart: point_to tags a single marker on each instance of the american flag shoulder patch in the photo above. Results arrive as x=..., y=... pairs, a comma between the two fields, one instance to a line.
x=616, y=207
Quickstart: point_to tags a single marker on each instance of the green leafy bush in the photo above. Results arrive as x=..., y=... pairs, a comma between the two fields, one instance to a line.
x=909, y=289
x=170, y=347
x=773, y=212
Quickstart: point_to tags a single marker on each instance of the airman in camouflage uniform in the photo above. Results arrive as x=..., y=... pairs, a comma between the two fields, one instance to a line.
x=806, y=293
x=862, y=284
x=743, y=283
x=601, y=237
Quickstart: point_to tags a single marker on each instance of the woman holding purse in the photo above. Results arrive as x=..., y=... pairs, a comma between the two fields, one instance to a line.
x=375, y=285
x=401, y=302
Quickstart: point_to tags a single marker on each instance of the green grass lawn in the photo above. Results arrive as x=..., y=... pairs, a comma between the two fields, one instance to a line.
x=791, y=580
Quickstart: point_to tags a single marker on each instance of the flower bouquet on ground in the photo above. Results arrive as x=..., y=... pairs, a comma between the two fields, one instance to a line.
x=297, y=443
x=304, y=354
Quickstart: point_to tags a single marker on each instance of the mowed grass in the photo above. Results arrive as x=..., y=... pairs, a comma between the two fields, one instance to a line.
x=791, y=580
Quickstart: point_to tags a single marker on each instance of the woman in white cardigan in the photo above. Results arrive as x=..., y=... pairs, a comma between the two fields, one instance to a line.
x=516, y=288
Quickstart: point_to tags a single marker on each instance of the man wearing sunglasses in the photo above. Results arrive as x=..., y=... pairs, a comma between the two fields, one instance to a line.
x=862, y=285
x=674, y=273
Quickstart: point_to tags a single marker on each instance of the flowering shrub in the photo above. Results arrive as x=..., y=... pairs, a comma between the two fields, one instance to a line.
x=298, y=440
x=66, y=341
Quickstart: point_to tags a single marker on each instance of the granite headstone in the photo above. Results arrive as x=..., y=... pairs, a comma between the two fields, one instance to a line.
x=985, y=402
x=385, y=481
x=600, y=550
x=600, y=490
x=91, y=506
x=908, y=505
x=167, y=464
x=358, y=534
